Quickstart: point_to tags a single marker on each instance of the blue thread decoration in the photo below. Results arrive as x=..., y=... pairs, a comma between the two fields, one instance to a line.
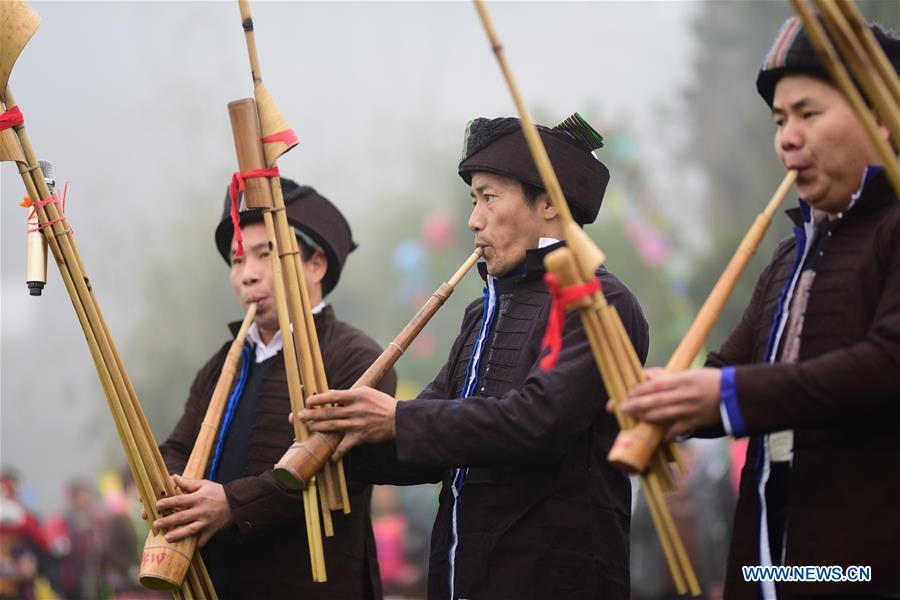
x=229, y=411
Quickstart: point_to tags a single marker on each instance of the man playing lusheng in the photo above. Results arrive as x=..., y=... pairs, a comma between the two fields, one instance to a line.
x=529, y=508
x=252, y=528
x=812, y=371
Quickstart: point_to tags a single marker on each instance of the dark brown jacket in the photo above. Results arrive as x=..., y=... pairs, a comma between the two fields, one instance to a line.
x=842, y=399
x=274, y=559
x=542, y=513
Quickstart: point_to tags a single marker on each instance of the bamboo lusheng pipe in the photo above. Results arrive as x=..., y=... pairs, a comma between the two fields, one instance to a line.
x=839, y=76
x=248, y=145
x=635, y=447
x=278, y=138
x=19, y=23
x=304, y=459
x=619, y=366
x=137, y=441
x=161, y=573
x=862, y=66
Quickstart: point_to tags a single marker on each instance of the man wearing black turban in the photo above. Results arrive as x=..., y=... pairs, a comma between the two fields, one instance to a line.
x=530, y=508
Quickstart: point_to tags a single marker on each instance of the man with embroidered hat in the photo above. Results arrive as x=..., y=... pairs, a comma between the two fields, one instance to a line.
x=529, y=508
x=810, y=372
x=252, y=529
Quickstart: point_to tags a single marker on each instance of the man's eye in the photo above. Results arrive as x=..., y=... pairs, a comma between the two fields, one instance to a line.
x=236, y=261
x=809, y=114
x=779, y=122
x=264, y=254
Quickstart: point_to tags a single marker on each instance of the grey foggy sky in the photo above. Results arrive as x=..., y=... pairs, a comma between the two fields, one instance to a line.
x=128, y=99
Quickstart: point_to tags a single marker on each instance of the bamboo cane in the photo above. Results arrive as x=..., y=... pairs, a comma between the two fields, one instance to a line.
x=304, y=459
x=838, y=73
x=635, y=447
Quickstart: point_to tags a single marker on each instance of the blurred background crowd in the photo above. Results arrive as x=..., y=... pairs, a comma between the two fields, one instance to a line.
x=379, y=94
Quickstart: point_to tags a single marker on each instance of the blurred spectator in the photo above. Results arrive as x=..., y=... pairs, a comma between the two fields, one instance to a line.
x=390, y=525
x=702, y=508
x=121, y=566
x=24, y=557
x=77, y=539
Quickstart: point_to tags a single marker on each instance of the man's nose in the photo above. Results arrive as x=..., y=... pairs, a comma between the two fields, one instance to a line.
x=251, y=271
x=790, y=136
x=476, y=220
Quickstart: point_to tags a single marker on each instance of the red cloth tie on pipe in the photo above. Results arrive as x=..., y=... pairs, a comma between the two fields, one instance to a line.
x=287, y=137
x=27, y=202
x=237, y=186
x=561, y=297
x=11, y=118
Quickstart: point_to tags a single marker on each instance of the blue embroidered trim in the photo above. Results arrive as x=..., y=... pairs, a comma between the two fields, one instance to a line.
x=728, y=392
x=230, y=409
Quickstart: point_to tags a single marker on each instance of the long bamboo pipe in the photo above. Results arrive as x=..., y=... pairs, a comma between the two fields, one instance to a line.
x=304, y=459
x=634, y=448
x=247, y=140
x=18, y=24
x=134, y=431
x=279, y=139
x=165, y=566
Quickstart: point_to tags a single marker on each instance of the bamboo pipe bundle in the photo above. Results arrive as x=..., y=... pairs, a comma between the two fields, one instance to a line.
x=613, y=352
x=870, y=66
x=144, y=459
x=304, y=459
x=18, y=23
x=247, y=139
x=294, y=308
x=635, y=447
x=158, y=573
x=621, y=368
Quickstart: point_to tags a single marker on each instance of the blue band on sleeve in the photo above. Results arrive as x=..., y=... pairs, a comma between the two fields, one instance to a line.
x=728, y=392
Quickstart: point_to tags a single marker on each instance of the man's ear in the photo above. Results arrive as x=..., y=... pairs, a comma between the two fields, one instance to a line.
x=883, y=131
x=317, y=266
x=548, y=211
